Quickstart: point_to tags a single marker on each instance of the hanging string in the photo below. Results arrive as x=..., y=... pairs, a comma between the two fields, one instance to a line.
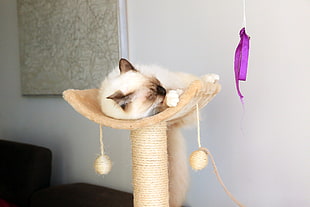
x=219, y=177
x=102, y=163
x=101, y=140
x=198, y=125
x=199, y=160
x=244, y=15
x=242, y=56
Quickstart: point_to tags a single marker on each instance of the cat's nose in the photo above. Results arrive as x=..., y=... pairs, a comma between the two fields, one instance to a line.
x=161, y=91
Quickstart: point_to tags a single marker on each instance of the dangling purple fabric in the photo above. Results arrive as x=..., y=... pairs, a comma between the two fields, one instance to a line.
x=241, y=60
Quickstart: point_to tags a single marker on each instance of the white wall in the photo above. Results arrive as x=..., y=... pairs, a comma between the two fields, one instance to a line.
x=263, y=156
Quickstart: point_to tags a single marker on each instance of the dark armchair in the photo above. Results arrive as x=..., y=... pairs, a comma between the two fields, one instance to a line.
x=24, y=169
x=25, y=172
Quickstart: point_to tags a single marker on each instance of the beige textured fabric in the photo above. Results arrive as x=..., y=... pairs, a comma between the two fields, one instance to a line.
x=86, y=102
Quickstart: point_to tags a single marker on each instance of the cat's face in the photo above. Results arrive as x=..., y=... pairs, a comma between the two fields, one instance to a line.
x=138, y=95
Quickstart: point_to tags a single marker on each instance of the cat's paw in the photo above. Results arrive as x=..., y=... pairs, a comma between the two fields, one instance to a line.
x=211, y=78
x=172, y=97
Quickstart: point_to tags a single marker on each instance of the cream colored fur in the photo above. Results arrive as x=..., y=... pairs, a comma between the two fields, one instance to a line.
x=178, y=168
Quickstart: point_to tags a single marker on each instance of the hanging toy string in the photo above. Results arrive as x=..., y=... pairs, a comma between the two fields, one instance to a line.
x=101, y=140
x=219, y=177
x=198, y=125
x=199, y=160
x=242, y=56
x=102, y=163
x=244, y=14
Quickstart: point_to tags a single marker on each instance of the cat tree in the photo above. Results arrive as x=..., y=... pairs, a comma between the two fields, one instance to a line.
x=148, y=137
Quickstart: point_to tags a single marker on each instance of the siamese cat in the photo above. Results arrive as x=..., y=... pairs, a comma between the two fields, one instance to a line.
x=135, y=92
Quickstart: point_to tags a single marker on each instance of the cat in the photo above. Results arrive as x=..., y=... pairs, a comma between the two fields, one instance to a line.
x=135, y=92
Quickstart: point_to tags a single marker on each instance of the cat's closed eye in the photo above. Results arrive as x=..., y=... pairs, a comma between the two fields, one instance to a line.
x=121, y=99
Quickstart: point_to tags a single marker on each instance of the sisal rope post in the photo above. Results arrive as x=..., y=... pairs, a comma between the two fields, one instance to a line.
x=150, y=168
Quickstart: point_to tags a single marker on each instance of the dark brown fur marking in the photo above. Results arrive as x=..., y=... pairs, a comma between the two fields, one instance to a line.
x=121, y=99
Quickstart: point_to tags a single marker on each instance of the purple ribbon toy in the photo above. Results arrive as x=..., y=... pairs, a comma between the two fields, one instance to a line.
x=241, y=60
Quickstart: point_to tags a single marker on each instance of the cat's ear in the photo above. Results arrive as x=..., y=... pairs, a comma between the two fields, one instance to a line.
x=125, y=66
x=121, y=99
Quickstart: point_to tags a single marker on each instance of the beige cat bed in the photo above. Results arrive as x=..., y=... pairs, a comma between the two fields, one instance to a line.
x=148, y=137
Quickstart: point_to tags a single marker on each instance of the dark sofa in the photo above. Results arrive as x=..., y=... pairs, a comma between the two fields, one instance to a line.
x=25, y=172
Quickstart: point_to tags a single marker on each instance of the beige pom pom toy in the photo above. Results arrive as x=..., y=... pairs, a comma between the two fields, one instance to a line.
x=198, y=159
x=102, y=164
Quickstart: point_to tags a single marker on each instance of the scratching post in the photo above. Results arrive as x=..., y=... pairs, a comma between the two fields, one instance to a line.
x=148, y=137
x=149, y=163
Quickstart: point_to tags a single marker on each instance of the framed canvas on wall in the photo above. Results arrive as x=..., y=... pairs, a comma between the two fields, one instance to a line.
x=69, y=44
